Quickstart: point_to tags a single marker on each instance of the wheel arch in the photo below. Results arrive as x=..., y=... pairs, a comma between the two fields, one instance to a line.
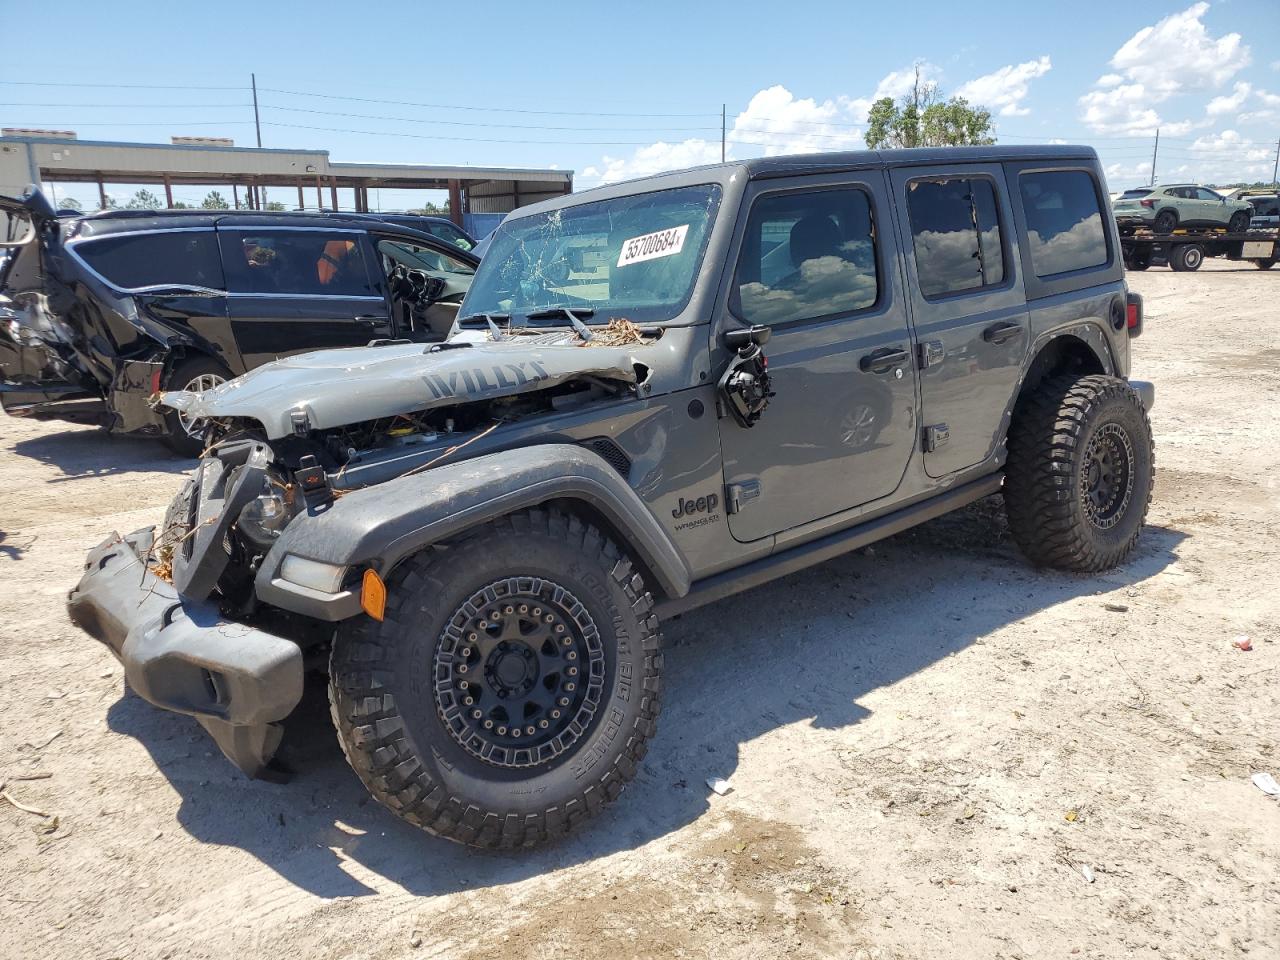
x=1069, y=351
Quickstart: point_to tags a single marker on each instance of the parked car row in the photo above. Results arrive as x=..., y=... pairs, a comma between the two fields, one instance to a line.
x=100, y=312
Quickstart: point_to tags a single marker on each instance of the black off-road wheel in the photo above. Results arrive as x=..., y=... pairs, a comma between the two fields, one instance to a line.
x=1166, y=221
x=1239, y=222
x=1079, y=474
x=512, y=688
x=184, y=435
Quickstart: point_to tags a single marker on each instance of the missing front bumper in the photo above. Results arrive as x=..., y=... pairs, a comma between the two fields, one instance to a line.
x=180, y=655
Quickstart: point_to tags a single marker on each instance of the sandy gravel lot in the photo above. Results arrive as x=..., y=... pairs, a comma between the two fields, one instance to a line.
x=927, y=741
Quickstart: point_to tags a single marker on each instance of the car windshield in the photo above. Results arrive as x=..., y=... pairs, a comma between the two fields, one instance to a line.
x=1135, y=193
x=630, y=257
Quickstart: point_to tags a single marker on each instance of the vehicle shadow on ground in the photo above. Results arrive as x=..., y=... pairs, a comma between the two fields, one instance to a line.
x=806, y=648
x=80, y=453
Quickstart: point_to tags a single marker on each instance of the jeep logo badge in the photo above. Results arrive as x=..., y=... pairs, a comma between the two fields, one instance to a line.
x=705, y=504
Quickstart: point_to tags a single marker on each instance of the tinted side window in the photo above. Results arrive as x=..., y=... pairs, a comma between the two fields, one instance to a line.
x=1203, y=194
x=451, y=234
x=297, y=262
x=1064, y=221
x=807, y=255
x=956, y=232
x=150, y=259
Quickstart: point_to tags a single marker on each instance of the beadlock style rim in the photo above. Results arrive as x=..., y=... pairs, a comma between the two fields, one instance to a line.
x=1106, y=480
x=519, y=672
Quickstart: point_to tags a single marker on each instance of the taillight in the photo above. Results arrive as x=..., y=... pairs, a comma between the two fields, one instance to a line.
x=1149, y=204
x=155, y=381
x=1133, y=314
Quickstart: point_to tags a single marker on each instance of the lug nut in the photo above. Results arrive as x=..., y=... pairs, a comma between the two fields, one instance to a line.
x=472, y=637
x=568, y=641
x=549, y=618
x=559, y=628
x=530, y=730
x=569, y=686
x=524, y=608
x=488, y=724
x=537, y=611
x=572, y=671
x=502, y=731
x=462, y=668
x=476, y=714
x=508, y=609
x=564, y=701
x=555, y=714
x=467, y=701
x=542, y=724
x=466, y=651
x=571, y=655
x=515, y=731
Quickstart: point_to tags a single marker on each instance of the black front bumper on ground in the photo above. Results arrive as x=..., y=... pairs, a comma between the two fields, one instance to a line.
x=181, y=655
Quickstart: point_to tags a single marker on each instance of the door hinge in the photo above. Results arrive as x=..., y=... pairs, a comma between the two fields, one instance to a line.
x=736, y=494
x=934, y=436
x=932, y=353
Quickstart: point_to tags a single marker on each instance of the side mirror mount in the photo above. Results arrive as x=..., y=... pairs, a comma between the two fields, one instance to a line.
x=744, y=338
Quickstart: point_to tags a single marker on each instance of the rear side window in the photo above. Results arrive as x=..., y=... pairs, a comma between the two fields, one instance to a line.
x=451, y=234
x=956, y=233
x=296, y=263
x=155, y=259
x=1064, y=221
x=807, y=255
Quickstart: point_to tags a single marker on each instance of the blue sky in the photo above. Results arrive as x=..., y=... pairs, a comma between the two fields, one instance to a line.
x=626, y=89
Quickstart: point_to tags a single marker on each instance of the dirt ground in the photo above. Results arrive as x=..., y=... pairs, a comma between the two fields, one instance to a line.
x=931, y=744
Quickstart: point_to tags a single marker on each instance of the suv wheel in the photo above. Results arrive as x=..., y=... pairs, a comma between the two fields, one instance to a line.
x=183, y=434
x=1166, y=221
x=512, y=688
x=1239, y=222
x=1186, y=257
x=1079, y=474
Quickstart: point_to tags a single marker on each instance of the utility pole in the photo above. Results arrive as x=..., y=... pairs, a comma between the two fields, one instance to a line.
x=1275, y=167
x=722, y=116
x=1154, y=151
x=253, y=79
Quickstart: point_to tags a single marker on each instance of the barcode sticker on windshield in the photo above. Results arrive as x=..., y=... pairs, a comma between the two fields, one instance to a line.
x=664, y=243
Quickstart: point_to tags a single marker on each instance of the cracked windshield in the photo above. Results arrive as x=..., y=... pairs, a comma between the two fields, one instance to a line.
x=632, y=258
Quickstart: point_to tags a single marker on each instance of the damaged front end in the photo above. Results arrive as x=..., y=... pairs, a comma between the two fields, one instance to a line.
x=214, y=614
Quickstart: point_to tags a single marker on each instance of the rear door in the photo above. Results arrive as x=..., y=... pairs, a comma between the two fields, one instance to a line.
x=968, y=307
x=816, y=263
x=296, y=289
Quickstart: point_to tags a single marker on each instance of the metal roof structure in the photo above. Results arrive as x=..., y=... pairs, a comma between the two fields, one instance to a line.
x=28, y=159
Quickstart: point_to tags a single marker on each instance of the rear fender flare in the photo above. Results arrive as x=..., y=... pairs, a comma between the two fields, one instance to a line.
x=379, y=526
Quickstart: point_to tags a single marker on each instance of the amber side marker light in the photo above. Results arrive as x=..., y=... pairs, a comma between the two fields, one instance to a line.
x=373, y=595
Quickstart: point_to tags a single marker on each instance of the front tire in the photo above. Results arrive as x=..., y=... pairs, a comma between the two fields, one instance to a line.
x=1079, y=474
x=183, y=435
x=512, y=688
x=1239, y=222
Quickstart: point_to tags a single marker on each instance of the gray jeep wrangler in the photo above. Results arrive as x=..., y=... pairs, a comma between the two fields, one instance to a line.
x=657, y=394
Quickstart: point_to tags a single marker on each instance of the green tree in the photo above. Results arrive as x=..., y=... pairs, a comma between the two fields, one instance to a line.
x=214, y=201
x=144, y=200
x=923, y=119
x=274, y=205
x=69, y=203
x=430, y=209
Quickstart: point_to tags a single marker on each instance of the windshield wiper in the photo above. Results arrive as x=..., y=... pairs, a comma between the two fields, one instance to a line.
x=572, y=313
x=490, y=319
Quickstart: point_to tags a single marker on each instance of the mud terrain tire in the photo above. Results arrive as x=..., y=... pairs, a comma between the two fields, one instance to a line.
x=1080, y=471
x=400, y=715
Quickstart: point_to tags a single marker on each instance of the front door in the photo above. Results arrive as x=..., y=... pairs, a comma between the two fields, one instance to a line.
x=297, y=289
x=816, y=264
x=968, y=307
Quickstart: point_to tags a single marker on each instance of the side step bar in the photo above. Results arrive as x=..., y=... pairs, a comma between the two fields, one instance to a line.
x=761, y=571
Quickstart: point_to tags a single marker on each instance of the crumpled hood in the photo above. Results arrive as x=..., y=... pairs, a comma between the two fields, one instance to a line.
x=338, y=387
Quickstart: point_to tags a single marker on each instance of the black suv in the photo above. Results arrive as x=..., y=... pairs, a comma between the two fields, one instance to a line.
x=99, y=313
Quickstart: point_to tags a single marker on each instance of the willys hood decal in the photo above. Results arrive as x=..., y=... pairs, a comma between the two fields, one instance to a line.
x=338, y=387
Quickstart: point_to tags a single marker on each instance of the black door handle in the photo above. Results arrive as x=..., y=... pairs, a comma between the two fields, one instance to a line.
x=1001, y=332
x=883, y=360
x=371, y=320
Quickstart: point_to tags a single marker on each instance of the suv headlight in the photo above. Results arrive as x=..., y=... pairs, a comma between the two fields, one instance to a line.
x=312, y=574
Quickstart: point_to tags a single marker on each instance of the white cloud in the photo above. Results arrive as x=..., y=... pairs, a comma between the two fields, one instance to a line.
x=1229, y=144
x=1005, y=89
x=1270, y=99
x=898, y=83
x=1156, y=63
x=1178, y=51
x=774, y=123
x=1229, y=103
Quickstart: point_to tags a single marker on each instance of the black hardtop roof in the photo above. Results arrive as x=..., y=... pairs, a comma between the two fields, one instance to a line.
x=817, y=163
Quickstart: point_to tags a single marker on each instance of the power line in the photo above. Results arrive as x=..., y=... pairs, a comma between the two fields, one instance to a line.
x=471, y=123
x=454, y=106
x=114, y=86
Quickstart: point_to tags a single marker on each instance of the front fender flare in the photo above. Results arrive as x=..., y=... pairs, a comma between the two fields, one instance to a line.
x=380, y=525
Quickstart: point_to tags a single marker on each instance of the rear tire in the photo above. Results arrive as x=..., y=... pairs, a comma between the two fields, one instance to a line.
x=1166, y=221
x=1186, y=257
x=506, y=618
x=1080, y=471
x=1239, y=222
x=1264, y=264
x=200, y=373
